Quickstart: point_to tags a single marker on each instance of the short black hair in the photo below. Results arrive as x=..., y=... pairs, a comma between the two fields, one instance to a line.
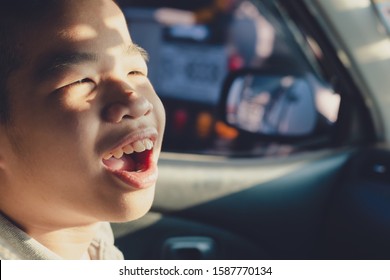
x=15, y=17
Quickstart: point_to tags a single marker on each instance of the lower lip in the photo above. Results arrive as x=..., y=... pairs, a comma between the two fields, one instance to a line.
x=138, y=180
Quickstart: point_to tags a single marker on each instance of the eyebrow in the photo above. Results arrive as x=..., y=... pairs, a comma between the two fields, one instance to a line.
x=58, y=61
x=134, y=48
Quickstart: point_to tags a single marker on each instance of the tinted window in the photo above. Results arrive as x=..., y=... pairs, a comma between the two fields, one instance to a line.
x=190, y=62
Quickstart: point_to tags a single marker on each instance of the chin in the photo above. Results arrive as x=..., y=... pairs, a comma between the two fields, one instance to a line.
x=133, y=207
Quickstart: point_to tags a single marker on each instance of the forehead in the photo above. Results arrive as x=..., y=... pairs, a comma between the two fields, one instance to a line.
x=88, y=16
x=76, y=23
x=86, y=20
x=96, y=26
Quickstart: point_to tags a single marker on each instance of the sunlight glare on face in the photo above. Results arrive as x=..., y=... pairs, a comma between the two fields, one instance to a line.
x=80, y=31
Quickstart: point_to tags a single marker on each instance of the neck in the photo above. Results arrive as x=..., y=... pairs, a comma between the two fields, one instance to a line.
x=61, y=237
x=69, y=243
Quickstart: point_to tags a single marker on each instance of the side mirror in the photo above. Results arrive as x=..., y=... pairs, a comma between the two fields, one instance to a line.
x=279, y=105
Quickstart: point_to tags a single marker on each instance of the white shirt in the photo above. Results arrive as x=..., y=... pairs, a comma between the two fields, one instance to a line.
x=15, y=244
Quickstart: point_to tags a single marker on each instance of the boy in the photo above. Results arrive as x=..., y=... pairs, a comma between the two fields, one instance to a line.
x=81, y=129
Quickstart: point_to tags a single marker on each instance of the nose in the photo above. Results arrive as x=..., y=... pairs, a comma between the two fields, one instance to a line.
x=126, y=103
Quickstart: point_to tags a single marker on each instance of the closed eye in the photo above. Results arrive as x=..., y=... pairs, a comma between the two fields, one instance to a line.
x=136, y=73
x=81, y=86
x=79, y=82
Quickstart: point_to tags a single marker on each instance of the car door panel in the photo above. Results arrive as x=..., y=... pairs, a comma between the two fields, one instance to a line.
x=359, y=216
x=147, y=237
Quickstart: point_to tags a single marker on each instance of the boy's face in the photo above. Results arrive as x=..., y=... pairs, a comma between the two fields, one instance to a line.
x=80, y=96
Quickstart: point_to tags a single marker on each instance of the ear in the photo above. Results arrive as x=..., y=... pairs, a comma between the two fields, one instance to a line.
x=4, y=147
x=2, y=163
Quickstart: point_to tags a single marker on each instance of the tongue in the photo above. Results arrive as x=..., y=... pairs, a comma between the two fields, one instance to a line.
x=122, y=164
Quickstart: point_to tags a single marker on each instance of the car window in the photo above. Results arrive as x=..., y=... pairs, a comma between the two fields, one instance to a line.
x=195, y=45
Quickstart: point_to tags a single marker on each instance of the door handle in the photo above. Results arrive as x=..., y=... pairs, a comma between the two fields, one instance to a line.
x=189, y=248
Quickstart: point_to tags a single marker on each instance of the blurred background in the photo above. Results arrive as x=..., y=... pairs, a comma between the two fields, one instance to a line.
x=193, y=46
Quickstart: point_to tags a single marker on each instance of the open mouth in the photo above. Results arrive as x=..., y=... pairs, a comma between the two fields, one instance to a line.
x=134, y=157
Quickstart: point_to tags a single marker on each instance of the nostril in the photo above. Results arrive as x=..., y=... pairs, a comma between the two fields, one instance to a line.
x=113, y=113
x=129, y=93
x=133, y=108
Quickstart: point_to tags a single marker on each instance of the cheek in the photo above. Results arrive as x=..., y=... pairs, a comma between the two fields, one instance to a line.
x=72, y=113
x=59, y=132
x=159, y=112
x=77, y=101
x=158, y=106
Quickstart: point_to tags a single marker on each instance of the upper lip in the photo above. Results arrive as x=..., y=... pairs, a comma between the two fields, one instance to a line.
x=146, y=133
